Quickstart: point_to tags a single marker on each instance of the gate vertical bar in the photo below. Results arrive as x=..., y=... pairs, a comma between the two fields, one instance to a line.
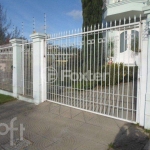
x=23, y=68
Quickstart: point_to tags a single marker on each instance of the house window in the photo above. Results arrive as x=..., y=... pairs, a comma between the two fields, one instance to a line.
x=129, y=39
x=123, y=41
x=135, y=40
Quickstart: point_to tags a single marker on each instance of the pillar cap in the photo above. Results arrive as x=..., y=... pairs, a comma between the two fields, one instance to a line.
x=38, y=35
x=17, y=41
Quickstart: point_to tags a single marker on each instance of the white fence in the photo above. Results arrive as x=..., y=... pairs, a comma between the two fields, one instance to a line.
x=27, y=69
x=102, y=52
x=24, y=61
x=99, y=69
x=6, y=68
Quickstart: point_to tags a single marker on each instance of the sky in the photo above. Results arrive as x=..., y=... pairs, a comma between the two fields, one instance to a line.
x=61, y=15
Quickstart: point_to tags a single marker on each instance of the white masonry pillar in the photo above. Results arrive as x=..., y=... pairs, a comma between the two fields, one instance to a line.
x=39, y=67
x=147, y=75
x=17, y=68
x=141, y=91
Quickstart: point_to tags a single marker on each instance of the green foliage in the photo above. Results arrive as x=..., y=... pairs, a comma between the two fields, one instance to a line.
x=111, y=146
x=92, y=56
x=83, y=85
x=118, y=73
x=147, y=131
x=110, y=47
x=92, y=16
x=138, y=125
x=5, y=98
x=115, y=74
x=92, y=12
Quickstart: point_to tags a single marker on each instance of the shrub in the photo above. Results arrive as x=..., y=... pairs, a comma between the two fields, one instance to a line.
x=84, y=85
x=118, y=73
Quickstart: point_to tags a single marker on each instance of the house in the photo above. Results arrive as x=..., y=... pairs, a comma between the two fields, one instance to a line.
x=130, y=45
x=117, y=9
x=124, y=42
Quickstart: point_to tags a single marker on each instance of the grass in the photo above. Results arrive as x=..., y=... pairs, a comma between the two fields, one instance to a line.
x=5, y=99
x=110, y=146
x=148, y=131
x=145, y=130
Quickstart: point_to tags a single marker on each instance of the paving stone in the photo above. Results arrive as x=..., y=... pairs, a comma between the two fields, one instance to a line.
x=37, y=126
x=71, y=113
x=50, y=126
x=8, y=115
x=17, y=145
x=108, y=123
x=15, y=104
x=87, y=131
x=67, y=114
x=58, y=110
x=91, y=145
x=147, y=146
x=67, y=142
x=56, y=133
x=71, y=123
x=4, y=139
x=105, y=136
x=1, y=148
x=83, y=116
x=75, y=112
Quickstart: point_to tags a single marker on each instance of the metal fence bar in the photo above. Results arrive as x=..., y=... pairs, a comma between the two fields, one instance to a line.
x=6, y=68
x=90, y=32
x=23, y=70
x=105, y=50
x=27, y=69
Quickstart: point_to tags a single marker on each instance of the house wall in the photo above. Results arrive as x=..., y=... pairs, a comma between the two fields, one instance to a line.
x=117, y=10
x=129, y=56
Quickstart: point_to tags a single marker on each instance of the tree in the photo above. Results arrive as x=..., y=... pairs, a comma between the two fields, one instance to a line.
x=92, y=17
x=92, y=12
x=16, y=34
x=5, y=24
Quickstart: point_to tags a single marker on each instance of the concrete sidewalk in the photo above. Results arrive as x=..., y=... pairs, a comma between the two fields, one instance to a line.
x=50, y=126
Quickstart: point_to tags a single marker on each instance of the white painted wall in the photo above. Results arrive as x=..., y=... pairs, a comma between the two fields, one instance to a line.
x=128, y=58
x=118, y=10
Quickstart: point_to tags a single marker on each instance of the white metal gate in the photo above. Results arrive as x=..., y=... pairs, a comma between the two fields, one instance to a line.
x=96, y=69
x=6, y=68
x=27, y=69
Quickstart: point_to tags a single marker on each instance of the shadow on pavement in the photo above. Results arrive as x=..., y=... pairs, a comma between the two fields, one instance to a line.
x=130, y=137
